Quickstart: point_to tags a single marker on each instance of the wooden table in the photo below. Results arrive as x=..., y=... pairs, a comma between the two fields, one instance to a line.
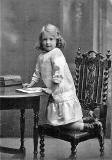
x=12, y=99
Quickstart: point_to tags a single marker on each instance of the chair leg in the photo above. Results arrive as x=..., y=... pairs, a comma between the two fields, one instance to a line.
x=73, y=155
x=101, y=142
x=42, y=150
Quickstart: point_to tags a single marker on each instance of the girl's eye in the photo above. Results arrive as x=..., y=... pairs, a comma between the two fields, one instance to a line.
x=44, y=39
x=51, y=39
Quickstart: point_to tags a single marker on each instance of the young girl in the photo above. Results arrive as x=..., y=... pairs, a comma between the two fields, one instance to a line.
x=52, y=68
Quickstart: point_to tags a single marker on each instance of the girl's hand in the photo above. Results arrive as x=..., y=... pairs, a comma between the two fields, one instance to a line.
x=46, y=90
x=26, y=85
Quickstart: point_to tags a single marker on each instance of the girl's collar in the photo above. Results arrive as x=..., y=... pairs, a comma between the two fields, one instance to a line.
x=44, y=52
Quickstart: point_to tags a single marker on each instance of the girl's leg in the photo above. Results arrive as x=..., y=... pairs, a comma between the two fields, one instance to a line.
x=81, y=126
x=78, y=126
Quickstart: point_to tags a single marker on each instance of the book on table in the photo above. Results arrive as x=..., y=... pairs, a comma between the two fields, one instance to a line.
x=10, y=80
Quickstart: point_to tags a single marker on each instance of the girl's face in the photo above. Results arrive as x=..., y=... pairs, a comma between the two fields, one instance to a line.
x=48, y=41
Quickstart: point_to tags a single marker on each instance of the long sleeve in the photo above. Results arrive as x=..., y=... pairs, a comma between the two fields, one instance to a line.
x=58, y=63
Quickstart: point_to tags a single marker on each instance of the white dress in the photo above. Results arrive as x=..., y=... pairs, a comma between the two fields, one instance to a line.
x=52, y=68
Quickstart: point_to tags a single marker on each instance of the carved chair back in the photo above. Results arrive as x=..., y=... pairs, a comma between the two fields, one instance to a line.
x=91, y=81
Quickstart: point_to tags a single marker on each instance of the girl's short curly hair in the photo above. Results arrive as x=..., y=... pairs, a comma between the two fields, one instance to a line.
x=52, y=29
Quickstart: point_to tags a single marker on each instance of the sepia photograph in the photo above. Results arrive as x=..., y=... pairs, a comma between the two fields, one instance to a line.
x=55, y=79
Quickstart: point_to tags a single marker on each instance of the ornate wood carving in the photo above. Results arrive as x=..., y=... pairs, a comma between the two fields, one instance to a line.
x=91, y=78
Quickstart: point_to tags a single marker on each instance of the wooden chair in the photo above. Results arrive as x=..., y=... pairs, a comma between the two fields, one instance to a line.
x=91, y=81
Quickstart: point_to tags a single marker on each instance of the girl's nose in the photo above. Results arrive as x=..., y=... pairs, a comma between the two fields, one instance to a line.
x=48, y=41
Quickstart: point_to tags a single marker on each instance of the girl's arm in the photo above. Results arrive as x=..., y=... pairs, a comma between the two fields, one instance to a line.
x=58, y=63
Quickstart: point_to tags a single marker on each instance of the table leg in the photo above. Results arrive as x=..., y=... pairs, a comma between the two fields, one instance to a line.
x=22, y=129
x=35, y=131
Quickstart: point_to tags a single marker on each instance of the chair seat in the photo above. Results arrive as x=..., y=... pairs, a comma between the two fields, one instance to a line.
x=68, y=135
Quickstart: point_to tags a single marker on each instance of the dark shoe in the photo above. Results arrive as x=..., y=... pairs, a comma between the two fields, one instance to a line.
x=88, y=127
x=93, y=127
x=89, y=119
